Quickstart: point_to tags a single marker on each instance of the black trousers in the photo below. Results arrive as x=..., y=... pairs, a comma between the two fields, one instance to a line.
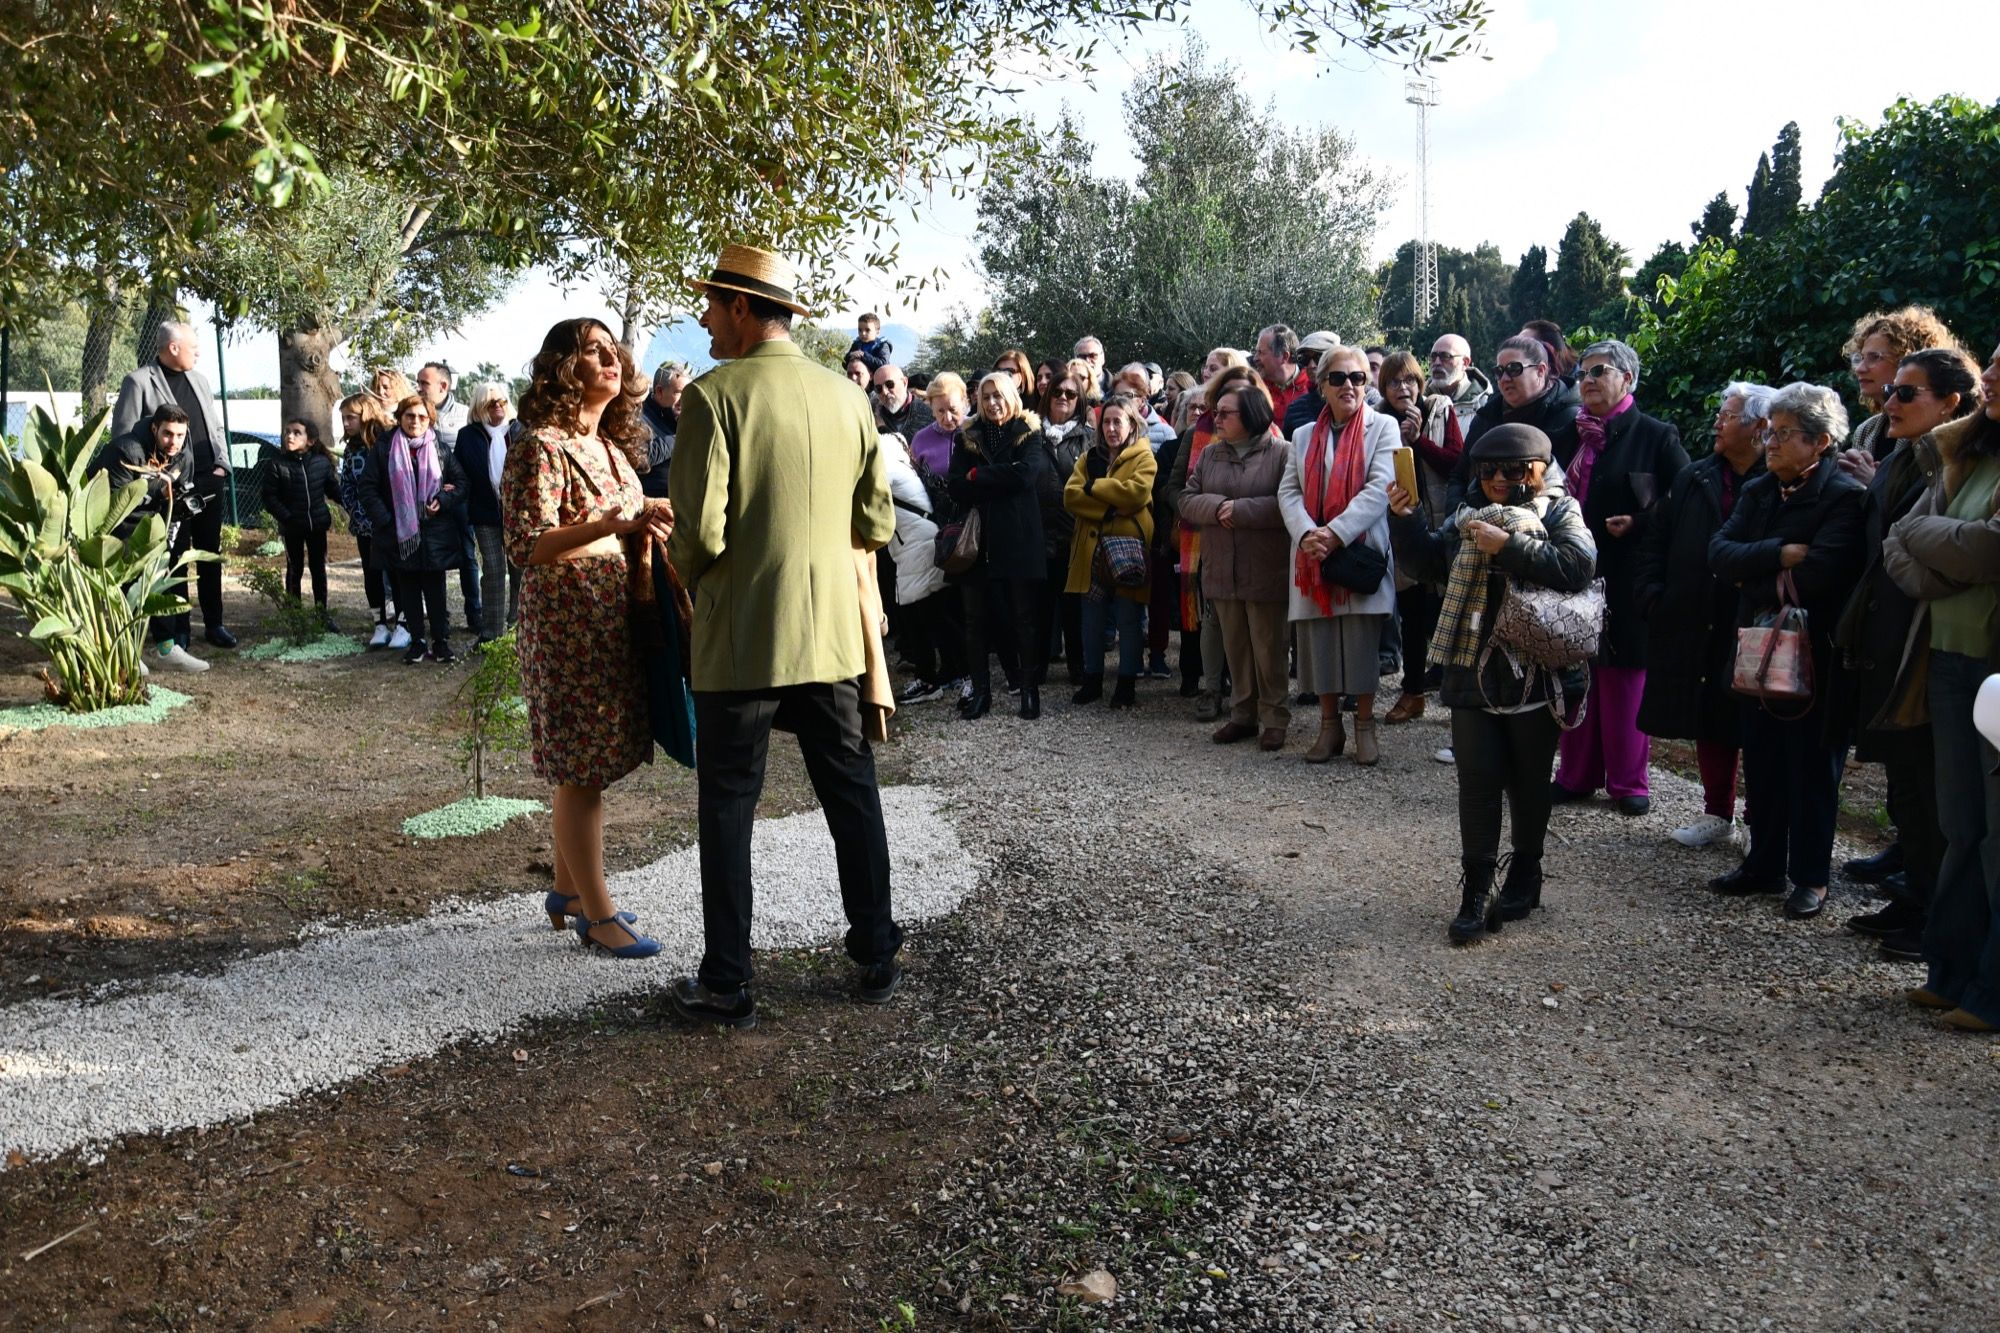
x=933, y=637
x=1418, y=606
x=1497, y=755
x=205, y=530
x=735, y=730
x=1791, y=796
x=1019, y=603
x=303, y=546
x=1913, y=808
x=418, y=591
x=376, y=582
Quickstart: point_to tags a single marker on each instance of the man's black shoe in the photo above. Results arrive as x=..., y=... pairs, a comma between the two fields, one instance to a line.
x=878, y=981
x=1740, y=883
x=1873, y=869
x=1896, y=916
x=696, y=1002
x=220, y=637
x=1905, y=945
x=1634, y=806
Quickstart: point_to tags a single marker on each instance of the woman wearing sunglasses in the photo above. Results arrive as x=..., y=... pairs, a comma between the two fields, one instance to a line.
x=413, y=491
x=1947, y=552
x=1335, y=493
x=1503, y=729
x=1795, y=535
x=1617, y=463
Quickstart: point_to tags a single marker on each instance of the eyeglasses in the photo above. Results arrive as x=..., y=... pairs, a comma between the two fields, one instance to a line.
x=1446, y=357
x=413, y=416
x=1222, y=412
x=1070, y=394
x=1333, y=379
x=1414, y=381
x=1768, y=436
x=883, y=387
x=1513, y=368
x=1860, y=359
x=1600, y=370
x=1515, y=471
x=1903, y=393
x=1726, y=415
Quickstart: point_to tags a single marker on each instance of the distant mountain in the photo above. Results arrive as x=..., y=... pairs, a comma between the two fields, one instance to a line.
x=688, y=341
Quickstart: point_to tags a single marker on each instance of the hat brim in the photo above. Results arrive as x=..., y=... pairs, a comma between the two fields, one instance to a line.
x=710, y=284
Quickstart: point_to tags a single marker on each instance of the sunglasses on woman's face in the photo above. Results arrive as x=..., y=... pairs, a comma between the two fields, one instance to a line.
x=1599, y=371
x=1064, y=393
x=1513, y=368
x=1505, y=471
x=1335, y=378
x=1904, y=393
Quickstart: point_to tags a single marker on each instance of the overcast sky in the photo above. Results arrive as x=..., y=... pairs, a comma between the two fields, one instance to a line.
x=1637, y=112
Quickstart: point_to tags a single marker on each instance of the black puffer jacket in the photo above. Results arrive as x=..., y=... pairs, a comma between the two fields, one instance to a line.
x=1691, y=613
x=1004, y=473
x=440, y=537
x=126, y=459
x=1825, y=514
x=1874, y=627
x=298, y=487
x=1642, y=456
x=1565, y=561
x=1551, y=414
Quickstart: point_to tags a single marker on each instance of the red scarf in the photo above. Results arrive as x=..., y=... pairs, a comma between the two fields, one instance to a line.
x=1327, y=496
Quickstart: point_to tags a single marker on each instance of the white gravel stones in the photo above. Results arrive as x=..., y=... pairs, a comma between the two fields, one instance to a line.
x=198, y=1050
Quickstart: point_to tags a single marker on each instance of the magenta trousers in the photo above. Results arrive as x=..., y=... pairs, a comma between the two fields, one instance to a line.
x=1608, y=750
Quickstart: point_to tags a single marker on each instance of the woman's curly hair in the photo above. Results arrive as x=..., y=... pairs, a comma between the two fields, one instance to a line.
x=1908, y=329
x=555, y=391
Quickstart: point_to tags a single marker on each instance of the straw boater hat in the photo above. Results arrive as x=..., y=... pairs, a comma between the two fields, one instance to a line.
x=754, y=272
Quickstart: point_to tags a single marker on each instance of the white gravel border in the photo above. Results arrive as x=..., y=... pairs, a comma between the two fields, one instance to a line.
x=200, y=1050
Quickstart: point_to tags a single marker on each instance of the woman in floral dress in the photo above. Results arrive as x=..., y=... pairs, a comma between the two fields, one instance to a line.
x=569, y=496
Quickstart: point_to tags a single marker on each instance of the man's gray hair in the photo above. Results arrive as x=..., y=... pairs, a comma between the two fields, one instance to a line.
x=1077, y=350
x=1284, y=342
x=1815, y=407
x=666, y=371
x=1756, y=399
x=1618, y=354
x=173, y=331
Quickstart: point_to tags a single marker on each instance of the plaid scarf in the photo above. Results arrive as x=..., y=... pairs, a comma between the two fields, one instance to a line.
x=1455, y=641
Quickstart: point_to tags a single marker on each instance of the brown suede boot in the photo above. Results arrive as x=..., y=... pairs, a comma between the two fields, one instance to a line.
x=1366, y=751
x=1332, y=740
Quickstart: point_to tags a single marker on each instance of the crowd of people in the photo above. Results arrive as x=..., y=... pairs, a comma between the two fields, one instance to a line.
x=1288, y=526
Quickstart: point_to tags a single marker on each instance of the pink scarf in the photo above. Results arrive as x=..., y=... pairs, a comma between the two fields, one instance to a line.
x=1327, y=496
x=1590, y=437
x=411, y=487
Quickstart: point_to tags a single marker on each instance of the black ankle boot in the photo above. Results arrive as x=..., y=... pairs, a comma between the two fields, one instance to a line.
x=1031, y=702
x=1478, y=908
x=1122, y=694
x=1090, y=691
x=1521, y=891
x=976, y=705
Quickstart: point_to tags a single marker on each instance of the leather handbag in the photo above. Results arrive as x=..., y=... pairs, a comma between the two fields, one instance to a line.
x=1547, y=627
x=958, y=544
x=1774, y=654
x=1356, y=566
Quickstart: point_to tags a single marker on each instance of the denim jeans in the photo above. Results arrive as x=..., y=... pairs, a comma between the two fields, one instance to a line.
x=1962, y=940
x=1125, y=614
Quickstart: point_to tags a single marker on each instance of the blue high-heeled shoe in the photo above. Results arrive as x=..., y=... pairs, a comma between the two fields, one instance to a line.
x=642, y=946
x=559, y=906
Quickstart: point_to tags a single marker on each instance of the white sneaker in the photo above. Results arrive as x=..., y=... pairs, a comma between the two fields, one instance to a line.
x=1706, y=832
x=144, y=670
x=400, y=637
x=180, y=659
x=380, y=638
x=1445, y=756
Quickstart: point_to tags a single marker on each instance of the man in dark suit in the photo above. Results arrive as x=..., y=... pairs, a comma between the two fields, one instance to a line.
x=173, y=381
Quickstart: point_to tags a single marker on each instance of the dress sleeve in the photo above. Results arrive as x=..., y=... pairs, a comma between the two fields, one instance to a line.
x=531, y=486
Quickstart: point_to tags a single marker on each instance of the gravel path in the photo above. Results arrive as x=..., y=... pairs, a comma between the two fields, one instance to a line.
x=199, y=1050
x=1209, y=990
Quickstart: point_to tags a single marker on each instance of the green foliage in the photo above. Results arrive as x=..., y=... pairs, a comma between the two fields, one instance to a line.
x=86, y=591
x=49, y=354
x=1905, y=217
x=824, y=345
x=1589, y=282
x=1717, y=221
x=1775, y=188
x=490, y=709
x=1236, y=221
x=1667, y=261
x=1528, y=294
x=1474, y=298
x=298, y=624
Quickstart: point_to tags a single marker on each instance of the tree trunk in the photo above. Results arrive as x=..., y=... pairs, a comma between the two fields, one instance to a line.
x=634, y=328
x=307, y=387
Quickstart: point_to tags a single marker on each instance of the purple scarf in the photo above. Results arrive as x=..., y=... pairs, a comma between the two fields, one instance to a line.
x=1590, y=434
x=411, y=488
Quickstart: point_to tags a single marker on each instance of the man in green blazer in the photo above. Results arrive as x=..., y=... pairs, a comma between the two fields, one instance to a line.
x=777, y=477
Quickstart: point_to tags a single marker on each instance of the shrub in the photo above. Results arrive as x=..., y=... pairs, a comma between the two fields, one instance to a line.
x=491, y=709
x=297, y=622
x=87, y=592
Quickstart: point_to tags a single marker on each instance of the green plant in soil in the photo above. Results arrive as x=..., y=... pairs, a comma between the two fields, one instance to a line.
x=232, y=539
x=87, y=592
x=490, y=710
x=297, y=622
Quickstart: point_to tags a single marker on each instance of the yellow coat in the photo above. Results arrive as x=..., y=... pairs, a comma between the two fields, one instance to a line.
x=1125, y=493
x=777, y=478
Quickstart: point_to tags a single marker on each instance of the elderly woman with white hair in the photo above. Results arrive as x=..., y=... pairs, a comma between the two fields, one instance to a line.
x=1617, y=463
x=1691, y=614
x=482, y=451
x=1794, y=538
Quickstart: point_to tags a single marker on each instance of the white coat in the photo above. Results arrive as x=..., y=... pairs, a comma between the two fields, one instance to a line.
x=914, y=547
x=1366, y=517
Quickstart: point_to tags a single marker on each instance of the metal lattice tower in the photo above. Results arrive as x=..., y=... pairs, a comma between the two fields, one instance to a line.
x=1422, y=94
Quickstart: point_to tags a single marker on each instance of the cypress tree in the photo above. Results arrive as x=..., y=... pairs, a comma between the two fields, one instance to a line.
x=1756, y=212
x=1785, y=192
x=1528, y=295
x=1717, y=221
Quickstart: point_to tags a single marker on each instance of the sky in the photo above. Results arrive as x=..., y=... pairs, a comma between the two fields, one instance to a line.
x=1637, y=112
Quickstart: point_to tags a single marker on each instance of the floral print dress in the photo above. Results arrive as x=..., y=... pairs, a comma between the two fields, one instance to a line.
x=579, y=675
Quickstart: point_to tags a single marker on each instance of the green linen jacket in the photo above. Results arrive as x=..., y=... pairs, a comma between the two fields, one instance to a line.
x=777, y=479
